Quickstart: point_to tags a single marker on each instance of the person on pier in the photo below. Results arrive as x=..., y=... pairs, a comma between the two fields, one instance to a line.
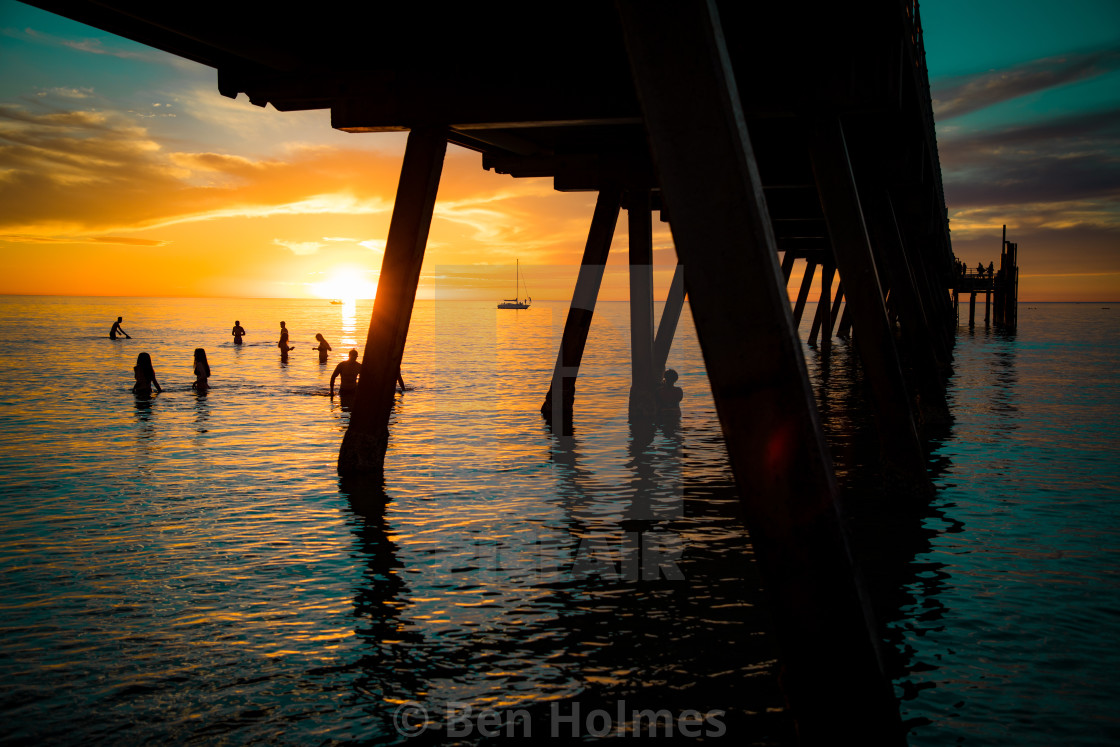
x=991, y=269
x=116, y=328
x=238, y=332
x=145, y=375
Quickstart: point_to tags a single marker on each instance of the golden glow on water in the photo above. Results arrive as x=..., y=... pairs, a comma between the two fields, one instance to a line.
x=174, y=563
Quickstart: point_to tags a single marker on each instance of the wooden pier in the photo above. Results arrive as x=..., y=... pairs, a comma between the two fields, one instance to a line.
x=1000, y=288
x=768, y=137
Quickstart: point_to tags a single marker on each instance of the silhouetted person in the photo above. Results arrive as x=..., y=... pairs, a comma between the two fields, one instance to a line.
x=980, y=269
x=116, y=328
x=201, y=370
x=145, y=375
x=669, y=395
x=238, y=332
x=991, y=269
x=348, y=370
x=283, y=343
x=324, y=347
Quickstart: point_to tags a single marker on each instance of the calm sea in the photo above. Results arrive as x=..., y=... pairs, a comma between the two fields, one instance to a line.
x=188, y=568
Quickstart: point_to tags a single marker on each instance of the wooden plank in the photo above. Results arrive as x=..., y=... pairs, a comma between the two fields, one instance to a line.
x=803, y=292
x=824, y=303
x=640, y=224
x=831, y=674
x=667, y=327
x=367, y=437
x=787, y=265
x=559, y=401
x=834, y=316
x=894, y=407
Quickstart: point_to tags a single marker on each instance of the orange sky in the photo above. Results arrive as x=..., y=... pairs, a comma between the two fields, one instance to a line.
x=124, y=172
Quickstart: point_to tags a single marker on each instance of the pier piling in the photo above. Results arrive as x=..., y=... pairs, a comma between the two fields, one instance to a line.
x=560, y=399
x=367, y=437
x=709, y=180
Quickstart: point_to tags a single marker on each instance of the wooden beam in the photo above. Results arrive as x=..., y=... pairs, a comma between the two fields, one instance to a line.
x=640, y=223
x=894, y=408
x=824, y=303
x=667, y=327
x=367, y=437
x=831, y=673
x=803, y=292
x=787, y=265
x=559, y=401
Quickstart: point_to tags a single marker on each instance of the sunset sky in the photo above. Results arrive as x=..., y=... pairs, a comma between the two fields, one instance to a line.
x=124, y=172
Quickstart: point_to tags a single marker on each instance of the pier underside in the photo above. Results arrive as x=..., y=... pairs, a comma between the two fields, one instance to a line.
x=765, y=136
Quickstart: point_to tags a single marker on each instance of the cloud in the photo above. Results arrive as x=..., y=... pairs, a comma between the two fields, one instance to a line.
x=126, y=241
x=67, y=93
x=953, y=97
x=1066, y=162
x=80, y=172
x=64, y=239
x=301, y=248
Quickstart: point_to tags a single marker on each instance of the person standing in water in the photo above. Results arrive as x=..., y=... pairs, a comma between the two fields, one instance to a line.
x=324, y=347
x=669, y=395
x=201, y=370
x=116, y=328
x=283, y=343
x=145, y=375
x=238, y=332
x=348, y=370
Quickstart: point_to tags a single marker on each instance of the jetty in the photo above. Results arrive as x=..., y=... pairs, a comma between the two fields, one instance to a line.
x=769, y=136
x=1001, y=284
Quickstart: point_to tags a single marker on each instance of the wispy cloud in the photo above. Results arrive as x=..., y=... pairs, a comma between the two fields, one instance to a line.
x=66, y=93
x=63, y=239
x=953, y=97
x=1060, y=162
x=300, y=248
x=126, y=241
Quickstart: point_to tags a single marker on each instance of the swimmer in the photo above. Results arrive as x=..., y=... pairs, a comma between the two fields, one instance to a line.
x=145, y=375
x=238, y=332
x=348, y=370
x=201, y=370
x=669, y=395
x=283, y=343
x=323, y=348
x=117, y=328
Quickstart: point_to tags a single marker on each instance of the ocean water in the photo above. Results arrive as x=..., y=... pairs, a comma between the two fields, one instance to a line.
x=188, y=567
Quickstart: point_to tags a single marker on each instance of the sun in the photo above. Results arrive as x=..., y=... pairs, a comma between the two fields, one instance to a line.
x=346, y=283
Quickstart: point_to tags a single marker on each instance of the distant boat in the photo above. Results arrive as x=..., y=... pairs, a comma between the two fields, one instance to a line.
x=338, y=302
x=515, y=302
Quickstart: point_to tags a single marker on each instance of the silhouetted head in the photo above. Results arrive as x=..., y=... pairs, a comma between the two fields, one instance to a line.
x=353, y=355
x=670, y=376
x=319, y=336
x=281, y=325
x=200, y=355
x=237, y=322
x=120, y=318
x=144, y=362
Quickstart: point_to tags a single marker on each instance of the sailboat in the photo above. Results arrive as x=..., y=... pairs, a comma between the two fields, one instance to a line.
x=515, y=302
